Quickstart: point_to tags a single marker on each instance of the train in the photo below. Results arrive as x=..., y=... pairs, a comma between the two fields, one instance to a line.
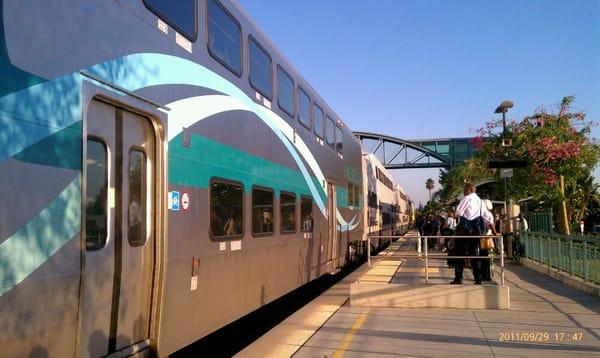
x=389, y=211
x=164, y=171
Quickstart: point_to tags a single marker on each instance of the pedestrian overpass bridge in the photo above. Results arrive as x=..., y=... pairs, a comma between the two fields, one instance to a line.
x=396, y=153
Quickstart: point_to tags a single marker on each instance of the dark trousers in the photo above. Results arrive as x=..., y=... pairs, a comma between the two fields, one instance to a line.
x=467, y=247
x=486, y=273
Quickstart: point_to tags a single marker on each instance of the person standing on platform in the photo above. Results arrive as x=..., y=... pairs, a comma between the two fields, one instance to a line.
x=522, y=226
x=484, y=251
x=474, y=217
x=498, y=227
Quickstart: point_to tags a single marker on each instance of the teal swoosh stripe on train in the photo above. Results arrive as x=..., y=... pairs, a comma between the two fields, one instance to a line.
x=29, y=115
x=41, y=237
x=12, y=78
x=61, y=149
x=150, y=69
x=143, y=70
x=207, y=157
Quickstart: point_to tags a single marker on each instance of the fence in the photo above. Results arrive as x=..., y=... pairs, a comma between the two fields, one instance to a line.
x=539, y=221
x=576, y=255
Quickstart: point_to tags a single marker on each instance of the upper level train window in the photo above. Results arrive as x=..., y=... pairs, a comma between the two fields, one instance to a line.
x=304, y=108
x=306, y=216
x=96, y=196
x=226, y=209
x=262, y=211
x=329, y=133
x=287, y=205
x=136, y=207
x=261, y=75
x=319, y=122
x=285, y=86
x=339, y=139
x=224, y=37
x=181, y=14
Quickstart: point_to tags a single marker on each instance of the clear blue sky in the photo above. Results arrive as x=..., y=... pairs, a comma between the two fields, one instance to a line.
x=435, y=69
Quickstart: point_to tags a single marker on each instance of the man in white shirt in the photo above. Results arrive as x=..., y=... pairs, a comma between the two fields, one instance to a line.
x=474, y=218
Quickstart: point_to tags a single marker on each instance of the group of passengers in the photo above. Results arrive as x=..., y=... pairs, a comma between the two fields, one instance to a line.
x=473, y=217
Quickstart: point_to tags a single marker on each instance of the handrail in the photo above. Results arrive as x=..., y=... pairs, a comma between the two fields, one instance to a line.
x=575, y=255
x=426, y=257
x=562, y=236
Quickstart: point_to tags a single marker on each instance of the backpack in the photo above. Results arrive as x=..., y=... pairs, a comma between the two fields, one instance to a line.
x=474, y=227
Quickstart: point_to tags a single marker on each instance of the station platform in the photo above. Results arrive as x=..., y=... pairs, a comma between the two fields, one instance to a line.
x=546, y=318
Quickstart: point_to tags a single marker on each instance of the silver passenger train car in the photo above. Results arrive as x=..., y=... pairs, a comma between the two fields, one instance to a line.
x=164, y=171
x=388, y=209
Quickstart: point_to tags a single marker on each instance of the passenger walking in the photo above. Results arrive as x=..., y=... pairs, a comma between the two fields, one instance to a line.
x=474, y=217
x=448, y=229
x=522, y=226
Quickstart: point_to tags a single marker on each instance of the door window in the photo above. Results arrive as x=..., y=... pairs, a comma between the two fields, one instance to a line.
x=96, y=195
x=136, y=207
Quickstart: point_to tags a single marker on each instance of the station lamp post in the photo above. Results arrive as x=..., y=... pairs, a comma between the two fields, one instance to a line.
x=505, y=173
x=503, y=108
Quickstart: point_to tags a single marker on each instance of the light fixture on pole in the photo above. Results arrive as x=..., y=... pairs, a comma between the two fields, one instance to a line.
x=503, y=108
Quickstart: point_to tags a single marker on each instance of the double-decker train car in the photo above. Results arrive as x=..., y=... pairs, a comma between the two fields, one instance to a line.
x=403, y=210
x=386, y=204
x=163, y=172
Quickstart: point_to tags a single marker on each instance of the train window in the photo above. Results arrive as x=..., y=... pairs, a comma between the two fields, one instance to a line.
x=304, y=108
x=287, y=205
x=261, y=76
x=262, y=211
x=96, y=197
x=350, y=194
x=224, y=37
x=181, y=14
x=285, y=90
x=136, y=208
x=329, y=133
x=357, y=195
x=226, y=209
x=319, y=119
x=339, y=139
x=306, y=215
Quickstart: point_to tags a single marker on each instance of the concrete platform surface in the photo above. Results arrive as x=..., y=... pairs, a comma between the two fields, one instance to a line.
x=547, y=319
x=400, y=283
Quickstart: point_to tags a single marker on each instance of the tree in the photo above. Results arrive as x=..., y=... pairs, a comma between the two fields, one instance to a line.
x=429, y=184
x=554, y=143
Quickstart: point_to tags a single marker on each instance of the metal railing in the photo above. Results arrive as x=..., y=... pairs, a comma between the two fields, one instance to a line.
x=576, y=255
x=424, y=254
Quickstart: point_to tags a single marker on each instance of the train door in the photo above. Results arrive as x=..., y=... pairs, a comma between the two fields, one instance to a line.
x=332, y=226
x=119, y=260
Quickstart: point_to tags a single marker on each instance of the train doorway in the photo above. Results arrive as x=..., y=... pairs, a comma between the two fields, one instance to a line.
x=119, y=214
x=332, y=226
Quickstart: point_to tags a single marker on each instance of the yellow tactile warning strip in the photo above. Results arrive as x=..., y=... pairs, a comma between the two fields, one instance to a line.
x=348, y=337
x=418, y=269
x=381, y=271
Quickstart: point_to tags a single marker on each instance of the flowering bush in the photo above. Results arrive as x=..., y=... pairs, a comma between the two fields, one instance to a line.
x=553, y=143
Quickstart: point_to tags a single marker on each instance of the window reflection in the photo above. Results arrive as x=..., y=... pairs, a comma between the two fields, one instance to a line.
x=96, y=195
x=226, y=209
x=262, y=211
x=306, y=214
x=136, y=223
x=287, y=203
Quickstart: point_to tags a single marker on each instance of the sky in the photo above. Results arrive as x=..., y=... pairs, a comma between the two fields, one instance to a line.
x=438, y=69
